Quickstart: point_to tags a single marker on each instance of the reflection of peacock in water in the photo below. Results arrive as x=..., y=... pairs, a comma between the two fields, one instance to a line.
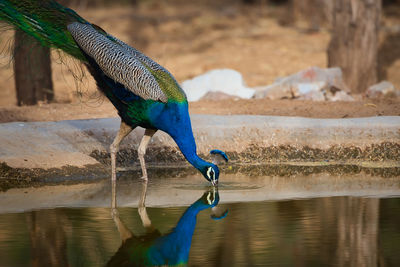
x=155, y=249
x=144, y=93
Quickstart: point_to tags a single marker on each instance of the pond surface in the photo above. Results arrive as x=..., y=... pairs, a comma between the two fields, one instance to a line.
x=317, y=220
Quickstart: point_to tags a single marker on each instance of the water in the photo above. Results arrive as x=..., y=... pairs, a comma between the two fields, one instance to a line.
x=313, y=220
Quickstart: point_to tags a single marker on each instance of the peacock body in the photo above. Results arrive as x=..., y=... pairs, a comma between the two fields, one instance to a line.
x=144, y=93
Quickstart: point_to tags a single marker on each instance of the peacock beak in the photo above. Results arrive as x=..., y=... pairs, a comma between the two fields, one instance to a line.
x=214, y=182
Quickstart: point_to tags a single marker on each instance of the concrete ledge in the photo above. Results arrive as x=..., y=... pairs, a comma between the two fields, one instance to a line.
x=246, y=138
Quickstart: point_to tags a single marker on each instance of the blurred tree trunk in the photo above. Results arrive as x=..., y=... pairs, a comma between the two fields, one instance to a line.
x=358, y=231
x=48, y=238
x=354, y=43
x=32, y=70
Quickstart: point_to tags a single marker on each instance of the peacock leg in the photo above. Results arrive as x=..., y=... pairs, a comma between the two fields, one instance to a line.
x=124, y=232
x=142, y=208
x=148, y=134
x=124, y=130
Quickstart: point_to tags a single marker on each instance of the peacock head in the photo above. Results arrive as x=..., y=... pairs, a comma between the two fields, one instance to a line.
x=210, y=170
x=211, y=173
x=210, y=199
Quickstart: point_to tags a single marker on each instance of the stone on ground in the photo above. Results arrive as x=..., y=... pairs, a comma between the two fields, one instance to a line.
x=314, y=83
x=226, y=81
x=384, y=88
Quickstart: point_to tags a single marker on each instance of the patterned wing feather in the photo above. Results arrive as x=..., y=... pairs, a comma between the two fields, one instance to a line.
x=117, y=62
x=139, y=55
x=167, y=82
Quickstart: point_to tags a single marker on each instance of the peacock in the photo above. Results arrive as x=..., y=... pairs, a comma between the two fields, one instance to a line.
x=155, y=249
x=144, y=93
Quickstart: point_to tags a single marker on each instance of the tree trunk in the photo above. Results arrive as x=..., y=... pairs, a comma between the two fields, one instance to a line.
x=354, y=43
x=32, y=70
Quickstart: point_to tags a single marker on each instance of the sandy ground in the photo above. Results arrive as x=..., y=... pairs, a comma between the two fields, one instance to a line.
x=192, y=38
x=363, y=108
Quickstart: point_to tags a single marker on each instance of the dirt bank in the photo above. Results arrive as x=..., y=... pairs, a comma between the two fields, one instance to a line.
x=103, y=109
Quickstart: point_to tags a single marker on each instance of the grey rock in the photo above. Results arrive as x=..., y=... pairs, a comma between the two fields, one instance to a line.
x=311, y=87
x=381, y=89
x=312, y=83
x=313, y=95
x=319, y=77
x=275, y=91
x=217, y=96
x=339, y=96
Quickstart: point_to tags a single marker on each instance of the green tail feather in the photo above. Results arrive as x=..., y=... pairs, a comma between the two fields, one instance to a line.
x=45, y=20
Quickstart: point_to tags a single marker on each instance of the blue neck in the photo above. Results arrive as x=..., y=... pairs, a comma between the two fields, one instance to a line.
x=187, y=145
x=175, y=246
x=174, y=119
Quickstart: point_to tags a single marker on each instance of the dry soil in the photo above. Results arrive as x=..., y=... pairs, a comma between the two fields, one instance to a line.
x=192, y=37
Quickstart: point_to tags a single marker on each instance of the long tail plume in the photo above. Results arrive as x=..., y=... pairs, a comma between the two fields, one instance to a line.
x=45, y=20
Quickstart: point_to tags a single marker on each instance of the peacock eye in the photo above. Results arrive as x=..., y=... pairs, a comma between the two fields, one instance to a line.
x=211, y=173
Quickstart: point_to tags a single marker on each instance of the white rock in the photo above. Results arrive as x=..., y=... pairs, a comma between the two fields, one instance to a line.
x=381, y=89
x=226, y=81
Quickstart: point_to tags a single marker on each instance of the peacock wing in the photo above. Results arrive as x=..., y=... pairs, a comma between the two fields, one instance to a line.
x=117, y=62
x=164, y=78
